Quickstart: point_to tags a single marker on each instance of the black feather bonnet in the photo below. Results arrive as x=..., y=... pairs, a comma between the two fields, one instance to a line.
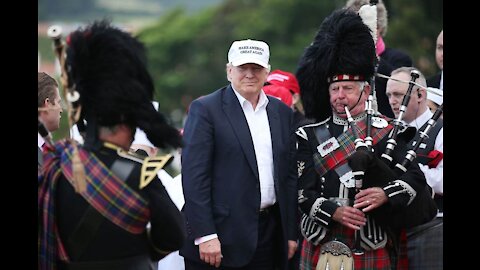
x=343, y=49
x=107, y=66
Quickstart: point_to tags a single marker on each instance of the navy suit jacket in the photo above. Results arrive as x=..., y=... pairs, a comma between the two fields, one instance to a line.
x=220, y=176
x=434, y=81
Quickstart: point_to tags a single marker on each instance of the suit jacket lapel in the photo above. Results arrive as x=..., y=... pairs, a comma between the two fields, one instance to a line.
x=274, y=122
x=239, y=124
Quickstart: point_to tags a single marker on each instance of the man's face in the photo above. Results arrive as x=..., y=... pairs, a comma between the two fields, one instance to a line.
x=439, y=51
x=51, y=115
x=396, y=91
x=350, y=94
x=247, y=79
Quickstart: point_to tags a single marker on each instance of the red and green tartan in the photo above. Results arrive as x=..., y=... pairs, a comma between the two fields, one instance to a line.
x=402, y=262
x=346, y=142
x=371, y=260
x=105, y=192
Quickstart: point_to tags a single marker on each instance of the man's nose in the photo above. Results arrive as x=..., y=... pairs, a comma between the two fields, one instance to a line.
x=341, y=93
x=249, y=72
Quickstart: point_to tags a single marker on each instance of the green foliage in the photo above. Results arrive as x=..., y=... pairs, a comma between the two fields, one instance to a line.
x=56, y=9
x=414, y=27
x=45, y=49
x=62, y=131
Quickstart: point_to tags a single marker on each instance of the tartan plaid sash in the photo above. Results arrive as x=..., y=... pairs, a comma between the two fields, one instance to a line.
x=108, y=194
x=346, y=147
x=49, y=244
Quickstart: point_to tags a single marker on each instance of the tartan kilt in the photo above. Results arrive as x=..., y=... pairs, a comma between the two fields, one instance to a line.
x=371, y=260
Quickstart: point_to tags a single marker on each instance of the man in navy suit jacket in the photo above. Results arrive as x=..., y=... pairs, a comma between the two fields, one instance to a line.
x=238, y=171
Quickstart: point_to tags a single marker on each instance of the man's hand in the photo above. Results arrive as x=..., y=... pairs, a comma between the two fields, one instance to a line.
x=350, y=217
x=292, y=247
x=211, y=252
x=370, y=198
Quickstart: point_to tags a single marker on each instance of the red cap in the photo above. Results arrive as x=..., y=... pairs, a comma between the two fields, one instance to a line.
x=285, y=79
x=279, y=92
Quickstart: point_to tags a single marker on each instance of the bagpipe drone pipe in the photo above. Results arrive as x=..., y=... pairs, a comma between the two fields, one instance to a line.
x=72, y=98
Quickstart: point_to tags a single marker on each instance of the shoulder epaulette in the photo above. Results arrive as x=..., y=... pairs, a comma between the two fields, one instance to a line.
x=131, y=156
x=301, y=130
x=150, y=165
x=150, y=168
x=316, y=124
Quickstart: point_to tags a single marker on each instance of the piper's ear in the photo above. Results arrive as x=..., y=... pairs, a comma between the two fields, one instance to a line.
x=367, y=88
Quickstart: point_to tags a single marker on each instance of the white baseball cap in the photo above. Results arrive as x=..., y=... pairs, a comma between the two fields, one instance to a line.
x=435, y=95
x=249, y=51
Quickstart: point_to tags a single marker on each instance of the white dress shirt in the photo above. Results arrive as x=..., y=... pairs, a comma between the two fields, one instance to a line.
x=441, y=81
x=434, y=176
x=262, y=142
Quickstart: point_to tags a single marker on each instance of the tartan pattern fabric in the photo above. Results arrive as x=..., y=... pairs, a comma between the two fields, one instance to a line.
x=425, y=249
x=105, y=192
x=402, y=260
x=371, y=260
x=49, y=243
x=108, y=194
x=346, y=147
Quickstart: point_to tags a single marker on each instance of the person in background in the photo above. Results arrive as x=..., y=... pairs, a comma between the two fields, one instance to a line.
x=389, y=58
x=95, y=200
x=288, y=80
x=49, y=110
x=425, y=242
x=280, y=92
x=434, y=98
x=437, y=80
x=238, y=171
x=142, y=146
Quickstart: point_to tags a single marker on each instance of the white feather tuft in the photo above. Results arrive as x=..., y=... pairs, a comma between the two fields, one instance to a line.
x=368, y=14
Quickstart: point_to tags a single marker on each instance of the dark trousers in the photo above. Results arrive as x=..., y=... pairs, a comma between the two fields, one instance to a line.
x=294, y=262
x=268, y=249
x=425, y=246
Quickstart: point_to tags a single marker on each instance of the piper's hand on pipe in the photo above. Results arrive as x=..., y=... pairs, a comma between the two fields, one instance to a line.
x=349, y=217
x=370, y=198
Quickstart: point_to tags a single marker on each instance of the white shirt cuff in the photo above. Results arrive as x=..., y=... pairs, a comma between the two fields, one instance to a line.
x=206, y=238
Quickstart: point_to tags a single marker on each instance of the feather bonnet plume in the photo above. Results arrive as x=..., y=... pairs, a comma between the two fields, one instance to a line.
x=108, y=67
x=342, y=46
